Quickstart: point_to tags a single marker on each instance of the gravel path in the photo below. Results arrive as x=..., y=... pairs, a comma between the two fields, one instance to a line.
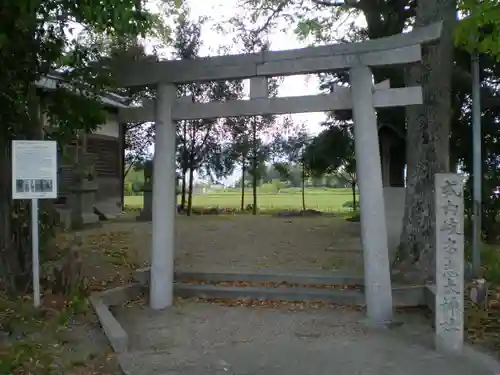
x=312, y=245
x=200, y=338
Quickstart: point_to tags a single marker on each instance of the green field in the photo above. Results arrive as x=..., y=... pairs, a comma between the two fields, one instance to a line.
x=321, y=199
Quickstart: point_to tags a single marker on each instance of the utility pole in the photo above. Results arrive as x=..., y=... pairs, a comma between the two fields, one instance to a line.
x=476, y=165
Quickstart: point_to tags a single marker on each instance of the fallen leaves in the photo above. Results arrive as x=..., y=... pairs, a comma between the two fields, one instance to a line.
x=282, y=284
x=141, y=302
x=34, y=342
x=290, y=305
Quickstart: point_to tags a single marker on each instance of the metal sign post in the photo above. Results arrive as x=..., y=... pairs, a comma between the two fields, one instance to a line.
x=34, y=177
x=35, y=251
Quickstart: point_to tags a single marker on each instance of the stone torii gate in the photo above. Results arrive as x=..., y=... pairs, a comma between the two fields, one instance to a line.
x=363, y=97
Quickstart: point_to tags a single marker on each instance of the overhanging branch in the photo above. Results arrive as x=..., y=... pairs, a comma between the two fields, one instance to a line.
x=347, y=3
x=131, y=126
x=275, y=13
x=328, y=3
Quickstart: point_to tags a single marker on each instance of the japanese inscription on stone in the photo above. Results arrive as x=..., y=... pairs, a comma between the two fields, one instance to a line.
x=449, y=261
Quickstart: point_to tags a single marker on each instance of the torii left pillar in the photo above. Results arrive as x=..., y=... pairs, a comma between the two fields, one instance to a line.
x=164, y=183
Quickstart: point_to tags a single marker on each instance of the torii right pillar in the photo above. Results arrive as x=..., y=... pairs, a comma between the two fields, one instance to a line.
x=378, y=291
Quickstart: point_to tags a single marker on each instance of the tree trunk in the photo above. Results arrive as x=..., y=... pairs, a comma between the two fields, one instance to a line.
x=242, y=207
x=191, y=159
x=190, y=192
x=353, y=188
x=183, y=190
x=303, y=188
x=8, y=261
x=397, y=167
x=15, y=236
x=428, y=135
x=254, y=166
x=123, y=174
x=184, y=164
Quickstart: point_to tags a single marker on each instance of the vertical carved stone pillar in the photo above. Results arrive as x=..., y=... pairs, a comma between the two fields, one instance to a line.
x=449, y=303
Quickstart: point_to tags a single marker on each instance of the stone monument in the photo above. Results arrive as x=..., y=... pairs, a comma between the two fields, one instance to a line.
x=147, y=193
x=449, y=310
x=83, y=192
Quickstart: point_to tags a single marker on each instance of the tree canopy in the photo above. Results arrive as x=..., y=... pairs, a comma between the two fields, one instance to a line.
x=37, y=38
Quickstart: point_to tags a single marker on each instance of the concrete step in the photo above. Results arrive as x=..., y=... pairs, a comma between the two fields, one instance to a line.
x=403, y=296
x=337, y=288
x=265, y=293
x=334, y=278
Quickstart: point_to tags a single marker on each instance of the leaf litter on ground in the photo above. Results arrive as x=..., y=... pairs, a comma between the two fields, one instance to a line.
x=109, y=261
x=47, y=340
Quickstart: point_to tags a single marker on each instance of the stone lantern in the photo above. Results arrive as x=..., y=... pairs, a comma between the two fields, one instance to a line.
x=83, y=191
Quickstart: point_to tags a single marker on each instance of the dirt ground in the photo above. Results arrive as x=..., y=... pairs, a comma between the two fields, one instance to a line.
x=111, y=253
x=242, y=243
x=193, y=337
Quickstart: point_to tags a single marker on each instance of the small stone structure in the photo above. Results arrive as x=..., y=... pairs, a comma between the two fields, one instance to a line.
x=83, y=191
x=147, y=193
x=449, y=307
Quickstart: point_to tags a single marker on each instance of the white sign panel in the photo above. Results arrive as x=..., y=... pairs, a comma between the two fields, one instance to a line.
x=34, y=169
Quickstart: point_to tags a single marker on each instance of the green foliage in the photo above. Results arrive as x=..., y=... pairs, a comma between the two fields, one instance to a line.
x=283, y=170
x=480, y=27
x=278, y=185
x=490, y=259
x=351, y=205
x=34, y=348
x=331, y=150
x=128, y=188
x=34, y=41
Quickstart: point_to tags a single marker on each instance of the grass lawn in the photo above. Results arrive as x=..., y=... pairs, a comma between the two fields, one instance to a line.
x=321, y=199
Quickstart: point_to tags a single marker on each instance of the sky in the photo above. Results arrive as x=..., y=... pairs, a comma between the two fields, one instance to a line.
x=212, y=40
x=220, y=10
x=291, y=86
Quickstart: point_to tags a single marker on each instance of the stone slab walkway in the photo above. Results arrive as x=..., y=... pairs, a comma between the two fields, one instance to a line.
x=200, y=338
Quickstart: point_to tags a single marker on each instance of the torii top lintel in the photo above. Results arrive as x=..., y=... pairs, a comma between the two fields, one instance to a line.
x=396, y=49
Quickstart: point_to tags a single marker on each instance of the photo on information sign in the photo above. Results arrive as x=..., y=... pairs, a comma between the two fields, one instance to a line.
x=34, y=186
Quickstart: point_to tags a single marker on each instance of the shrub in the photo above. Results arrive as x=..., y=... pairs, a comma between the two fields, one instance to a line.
x=490, y=260
x=351, y=205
